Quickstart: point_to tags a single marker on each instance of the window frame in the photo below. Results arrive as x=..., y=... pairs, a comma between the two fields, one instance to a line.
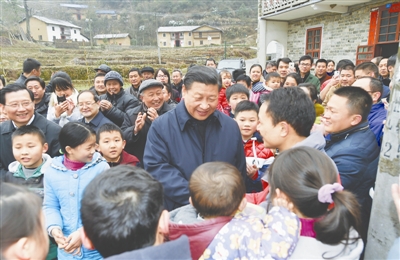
x=313, y=50
x=381, y=9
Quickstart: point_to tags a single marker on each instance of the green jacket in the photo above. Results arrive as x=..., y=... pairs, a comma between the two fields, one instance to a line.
x=310, y=78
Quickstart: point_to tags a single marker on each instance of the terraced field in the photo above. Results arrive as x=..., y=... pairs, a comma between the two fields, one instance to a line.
x=79, y=63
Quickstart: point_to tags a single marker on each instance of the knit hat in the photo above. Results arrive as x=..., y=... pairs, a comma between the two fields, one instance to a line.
x=150, y=83
x=113, y=75
x=147, y=69
x=104, y=68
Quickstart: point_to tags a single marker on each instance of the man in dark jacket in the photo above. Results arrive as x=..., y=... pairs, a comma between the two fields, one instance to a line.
x=378, y=113
x=116, y=102
x=352, y=145
x=191, y=134
x=30, y=67
x=138, y=120
x=305, y=64
x=19, y=105
x=132, y=205
x=38, y=88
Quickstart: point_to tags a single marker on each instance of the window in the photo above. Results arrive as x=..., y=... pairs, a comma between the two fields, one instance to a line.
x=313, y=42
x=201, y=42
x=74, y=31
x=54, y=38
x=165, y=44
x=190, y=34
x=40, y=38
x=53, y=28
x=163, y=35
x=200, y=35
x=189, y=42
x=172, y=34
x=78, y=17
x=388, y=26
x=181, y=34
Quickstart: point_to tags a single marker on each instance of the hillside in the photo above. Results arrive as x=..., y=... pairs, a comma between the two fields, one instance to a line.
x=237, y=19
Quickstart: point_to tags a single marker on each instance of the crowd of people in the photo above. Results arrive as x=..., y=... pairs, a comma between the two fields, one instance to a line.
x=275, y=164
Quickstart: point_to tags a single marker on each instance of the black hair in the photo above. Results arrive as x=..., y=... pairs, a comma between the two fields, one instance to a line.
x=20, y=214
x=135, y=69
x=343, y=63
x=99, y=75
x=272, y=75
x=300, y=173
x=13, y=87
x=236, y=88
x=201, y=74
x=108, y=127
x=264, y=98
x=329, y=61
x=295, y=76
x=95, y=96
x=358, y=100
x=306, y=57
x=61, y=84
x=61, y=74
x=29, y=65
x=392, y=60
x=312, y=89
x=177, y=70
x=74, y=134
x=165, y=72
x=121, y=208
x=168, y=87
x=34, y=78
x=293, y=106
x=376, y=86
x=246, y=105
x=29, y=129
x=368, y=67
x=349, y=67
x=244, y=78
x=238, y=72
x=284, y=60
x=210, y=59
x=321, y=61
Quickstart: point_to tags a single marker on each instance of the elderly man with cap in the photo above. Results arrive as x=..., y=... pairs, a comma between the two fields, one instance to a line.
x=147, y=73
x=137, y=121
x=116, y=101
x=103, y=68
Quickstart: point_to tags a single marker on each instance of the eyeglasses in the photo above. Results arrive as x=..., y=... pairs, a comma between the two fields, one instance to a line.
x=88, y=104
x=305, y=64
x=162, y=76
x=24, y=104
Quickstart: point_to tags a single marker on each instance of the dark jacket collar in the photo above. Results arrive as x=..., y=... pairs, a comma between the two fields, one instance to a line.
x=346, y=133
x=96, y=120
x=116, y=96
x=305, y=76
x=184, y=117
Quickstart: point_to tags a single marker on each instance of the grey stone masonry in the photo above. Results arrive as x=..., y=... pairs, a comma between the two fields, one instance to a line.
x=341, y=33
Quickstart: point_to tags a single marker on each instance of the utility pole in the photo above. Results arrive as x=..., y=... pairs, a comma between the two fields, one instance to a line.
x=384, y=225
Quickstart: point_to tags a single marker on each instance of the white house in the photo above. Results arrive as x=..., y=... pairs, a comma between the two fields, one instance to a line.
x=46, y=29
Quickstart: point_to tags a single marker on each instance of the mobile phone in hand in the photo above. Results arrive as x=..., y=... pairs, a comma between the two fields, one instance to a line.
x=336, y=74
x=61, y=99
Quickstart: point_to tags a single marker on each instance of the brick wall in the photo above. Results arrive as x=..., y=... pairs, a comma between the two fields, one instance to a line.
x=341, y=33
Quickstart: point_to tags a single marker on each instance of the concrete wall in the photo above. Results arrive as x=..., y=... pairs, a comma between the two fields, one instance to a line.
x=194, y=38
x=116, y=41
x=341, y=33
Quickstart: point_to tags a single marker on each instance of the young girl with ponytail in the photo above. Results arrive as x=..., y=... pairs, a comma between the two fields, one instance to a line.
x=329, y=215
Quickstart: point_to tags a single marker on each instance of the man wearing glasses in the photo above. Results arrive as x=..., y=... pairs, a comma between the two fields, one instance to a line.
x=305, y=64
x=19, y=104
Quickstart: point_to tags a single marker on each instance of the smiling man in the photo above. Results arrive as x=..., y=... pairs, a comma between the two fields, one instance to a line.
x=18, y=102
x=191, y=134
x=352, y=145
x=137, y=121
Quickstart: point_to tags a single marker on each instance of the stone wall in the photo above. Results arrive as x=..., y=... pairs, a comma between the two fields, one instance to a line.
x=341, y=33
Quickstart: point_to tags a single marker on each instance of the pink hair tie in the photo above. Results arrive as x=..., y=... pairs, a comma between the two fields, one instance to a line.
x=325, y=192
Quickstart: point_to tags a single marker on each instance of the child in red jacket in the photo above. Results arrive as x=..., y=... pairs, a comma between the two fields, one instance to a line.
x=226, y=81
x=111, y=144
x=258, y=157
